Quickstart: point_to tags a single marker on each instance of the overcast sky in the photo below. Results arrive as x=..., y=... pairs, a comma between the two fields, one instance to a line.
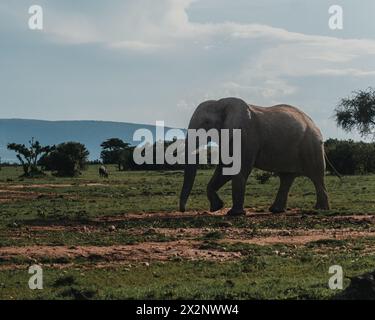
x=147, y=60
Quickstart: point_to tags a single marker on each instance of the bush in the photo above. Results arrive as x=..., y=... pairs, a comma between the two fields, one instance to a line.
x=67, y=160
x=349, y=157
x=263, y=176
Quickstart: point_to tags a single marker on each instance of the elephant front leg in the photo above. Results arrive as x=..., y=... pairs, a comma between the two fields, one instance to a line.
x=286, y=181
x=216, y=182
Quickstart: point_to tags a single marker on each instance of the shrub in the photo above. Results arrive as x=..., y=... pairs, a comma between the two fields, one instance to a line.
x=68, y=159
x=349, y=157
x=263, y=176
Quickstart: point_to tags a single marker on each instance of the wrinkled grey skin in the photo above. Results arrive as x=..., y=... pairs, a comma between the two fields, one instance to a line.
x=280, y=139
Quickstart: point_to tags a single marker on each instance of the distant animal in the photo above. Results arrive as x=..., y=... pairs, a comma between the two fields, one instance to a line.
x=280, y=139
x=103, y=172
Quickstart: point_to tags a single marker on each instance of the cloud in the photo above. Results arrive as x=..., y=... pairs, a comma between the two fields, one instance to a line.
x=135, y=45
x=166, y=22
x=267, y=89
x=193, y=61
x=147, y=26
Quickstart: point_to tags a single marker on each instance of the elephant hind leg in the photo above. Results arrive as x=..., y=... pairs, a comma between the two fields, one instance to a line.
x=216, y=182
x=322, y=200
x=286, y=181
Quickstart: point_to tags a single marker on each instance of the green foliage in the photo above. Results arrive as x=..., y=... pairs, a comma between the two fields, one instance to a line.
x=263, y=176
x=349, y=157
x=29, y=156
x=67, y=159
x=116, y=151
x=357, y=112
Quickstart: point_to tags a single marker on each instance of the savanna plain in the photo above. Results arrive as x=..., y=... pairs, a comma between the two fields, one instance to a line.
x=123, y=238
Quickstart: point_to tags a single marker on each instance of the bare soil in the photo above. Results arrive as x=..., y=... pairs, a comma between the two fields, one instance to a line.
x=12, y=195
x=143, y=252
x=186, y=246
x=49, y=185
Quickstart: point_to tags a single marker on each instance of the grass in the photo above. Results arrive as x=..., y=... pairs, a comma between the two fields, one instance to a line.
x=68, y=212
x=158, y=191
x=258, y=276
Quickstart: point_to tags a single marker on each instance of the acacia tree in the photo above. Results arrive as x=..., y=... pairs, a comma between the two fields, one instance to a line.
x=113, y=152
x=29, y=156
x=357, y=112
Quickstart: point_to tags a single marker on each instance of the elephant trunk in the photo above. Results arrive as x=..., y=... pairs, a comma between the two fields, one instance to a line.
x=190, y=172
x=189, y=177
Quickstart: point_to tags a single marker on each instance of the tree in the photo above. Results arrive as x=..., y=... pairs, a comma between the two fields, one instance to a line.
x=350, y=157
x=357, y=112
x=67, y=159
x=114, y=151
x=126, y=158
x=29, y=156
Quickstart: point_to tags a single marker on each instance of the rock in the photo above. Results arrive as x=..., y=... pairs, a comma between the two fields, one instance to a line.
x=146, y=264
x=225, y=224
x=285, y=233
x=112, y=228
x=361, y=288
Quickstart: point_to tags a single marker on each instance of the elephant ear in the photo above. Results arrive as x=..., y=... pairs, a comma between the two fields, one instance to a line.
x=235, y=114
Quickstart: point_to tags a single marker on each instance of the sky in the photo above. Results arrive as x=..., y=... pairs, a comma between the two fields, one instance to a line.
x=143, y=61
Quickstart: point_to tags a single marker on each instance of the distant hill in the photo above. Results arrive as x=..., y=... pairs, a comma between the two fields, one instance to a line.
x=90, y=133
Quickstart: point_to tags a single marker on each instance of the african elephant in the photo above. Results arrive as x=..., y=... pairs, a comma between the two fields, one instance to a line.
x=280, y=139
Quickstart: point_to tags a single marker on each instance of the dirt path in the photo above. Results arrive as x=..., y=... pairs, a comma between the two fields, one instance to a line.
x=10, y=193
x=178, y=214
x=50, y=185
x=143, y=252
x=269, y=236
x=13, y=195
x=189, y=249
x=187, y=242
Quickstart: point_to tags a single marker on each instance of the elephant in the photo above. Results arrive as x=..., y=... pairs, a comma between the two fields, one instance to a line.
x=280, y=139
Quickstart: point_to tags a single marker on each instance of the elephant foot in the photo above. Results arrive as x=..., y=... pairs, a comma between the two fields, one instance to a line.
x=324, y=206
x=236, y=212
x=276, y=209
x=217, y=205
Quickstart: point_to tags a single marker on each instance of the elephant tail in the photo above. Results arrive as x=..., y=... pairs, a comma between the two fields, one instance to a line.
x=333, y=168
